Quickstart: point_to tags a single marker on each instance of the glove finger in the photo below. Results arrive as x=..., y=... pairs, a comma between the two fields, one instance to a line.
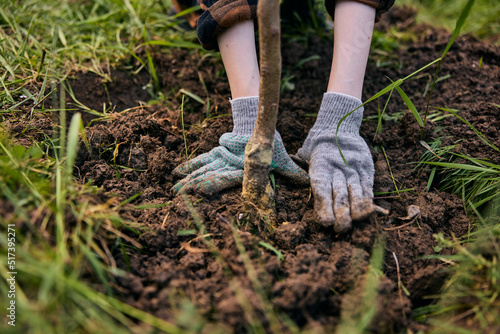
x=189, y=181
x=191, y=165
x=366, y=183
x=210, y=183
x=367, y=193
x=284, y=165
x=322, y=192
x=341, y=208
x=296, y=158
x=215, y=181
x=361, y=205
x=293, y=172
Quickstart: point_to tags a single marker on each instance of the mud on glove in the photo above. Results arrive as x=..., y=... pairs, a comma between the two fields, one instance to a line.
x=222, y=167
x=342, y=193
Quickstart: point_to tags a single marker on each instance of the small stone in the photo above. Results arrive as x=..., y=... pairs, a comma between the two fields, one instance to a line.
x=412, y=211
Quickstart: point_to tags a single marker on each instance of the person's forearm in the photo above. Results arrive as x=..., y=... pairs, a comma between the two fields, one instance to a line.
x=353, y=29
x=237, y=49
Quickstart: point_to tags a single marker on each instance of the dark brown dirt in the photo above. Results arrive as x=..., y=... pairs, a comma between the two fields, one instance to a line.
x=135, y=152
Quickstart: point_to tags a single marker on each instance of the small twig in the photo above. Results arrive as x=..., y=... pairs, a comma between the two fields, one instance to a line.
x=424, y=144
x=184, y=133
x=399, y=277
x=108, y=252
x=223, y=219
x=231, y=227
x=390, y=170
x=187, y=246
x=463, y=315
x=165, y=220
x=44, y=53
x=122, y=235
x=399, y=227
x=430, y=97
x=385, y=197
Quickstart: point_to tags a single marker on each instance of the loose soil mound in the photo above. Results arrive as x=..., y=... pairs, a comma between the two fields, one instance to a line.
x=322, y=273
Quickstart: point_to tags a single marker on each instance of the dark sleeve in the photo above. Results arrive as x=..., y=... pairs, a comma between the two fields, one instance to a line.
x=219, y=15
x=181, y=5
x=381, y=6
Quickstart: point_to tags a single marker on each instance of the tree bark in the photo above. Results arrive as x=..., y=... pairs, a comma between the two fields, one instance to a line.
x=259, y=150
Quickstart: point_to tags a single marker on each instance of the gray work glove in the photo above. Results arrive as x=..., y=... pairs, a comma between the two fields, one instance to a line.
x=222, y=167
x=342, y=193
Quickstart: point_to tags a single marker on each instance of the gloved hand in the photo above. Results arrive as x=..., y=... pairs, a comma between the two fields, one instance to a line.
x=342, y=193
x=222, y=167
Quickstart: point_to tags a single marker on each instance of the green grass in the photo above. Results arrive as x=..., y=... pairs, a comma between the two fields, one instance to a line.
x=483, y=21
x=476, y=181
x=470, y=302
x=54, y=38
x=56, y=232
x=62, y=233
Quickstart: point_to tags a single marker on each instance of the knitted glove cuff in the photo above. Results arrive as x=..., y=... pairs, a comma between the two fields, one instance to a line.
x=335, y=106
x=244, y=114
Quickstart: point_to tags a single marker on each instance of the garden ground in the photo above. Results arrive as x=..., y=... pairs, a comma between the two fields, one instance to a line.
x=314, y=277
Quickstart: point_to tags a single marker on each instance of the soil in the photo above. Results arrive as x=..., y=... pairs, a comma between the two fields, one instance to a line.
x=135, y=150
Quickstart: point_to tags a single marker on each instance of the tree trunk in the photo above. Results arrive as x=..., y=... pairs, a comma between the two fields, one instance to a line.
x=259, y=150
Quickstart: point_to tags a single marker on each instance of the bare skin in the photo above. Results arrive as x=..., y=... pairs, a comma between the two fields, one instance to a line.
x=353, y=35
x=237, y=47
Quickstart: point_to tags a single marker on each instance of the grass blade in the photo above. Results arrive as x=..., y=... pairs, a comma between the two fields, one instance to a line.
x=461, y=166
x=176, y=44
x=458, y=27
x=152, y=70
x=73, y=136
x=280, y=256
x=192, y=95
x=477, y=132
x=410, y=106
x=460, y=22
